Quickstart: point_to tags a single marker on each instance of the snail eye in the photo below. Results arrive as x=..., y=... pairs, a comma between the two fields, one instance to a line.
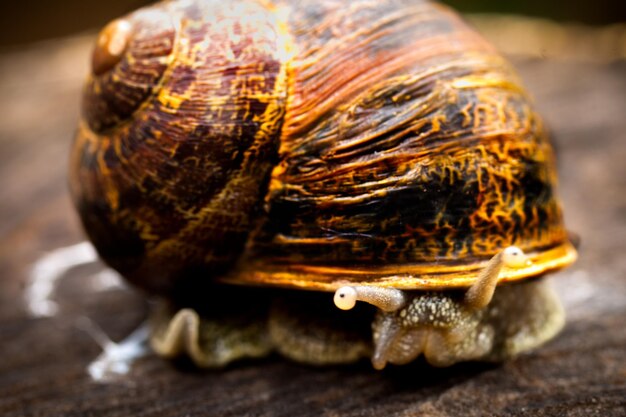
x=345, y=298
x=112, y=42
x=514, y=257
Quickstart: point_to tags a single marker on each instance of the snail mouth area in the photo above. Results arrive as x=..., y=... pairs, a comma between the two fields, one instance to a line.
x=426, y=276
x=519, y=318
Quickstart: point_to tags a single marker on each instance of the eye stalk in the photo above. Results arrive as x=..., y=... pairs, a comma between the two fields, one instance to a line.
x=478, y=296
x=112, y=42
x=387, y=299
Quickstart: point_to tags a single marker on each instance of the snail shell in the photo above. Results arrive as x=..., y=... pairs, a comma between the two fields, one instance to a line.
x=309, y=144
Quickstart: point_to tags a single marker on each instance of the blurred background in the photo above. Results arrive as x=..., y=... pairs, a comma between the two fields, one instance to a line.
x=29, y=21
x=571, y=56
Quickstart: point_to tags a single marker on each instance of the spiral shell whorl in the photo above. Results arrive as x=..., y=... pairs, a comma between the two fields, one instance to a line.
x=114, y=92
x=172, y=161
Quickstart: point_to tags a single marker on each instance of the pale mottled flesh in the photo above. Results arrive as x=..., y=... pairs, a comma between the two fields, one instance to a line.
x=305, y=327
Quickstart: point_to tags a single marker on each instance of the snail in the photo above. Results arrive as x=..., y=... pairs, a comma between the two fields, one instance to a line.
x=330, y=180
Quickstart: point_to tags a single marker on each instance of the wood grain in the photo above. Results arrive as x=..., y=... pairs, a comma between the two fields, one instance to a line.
x=43, y=360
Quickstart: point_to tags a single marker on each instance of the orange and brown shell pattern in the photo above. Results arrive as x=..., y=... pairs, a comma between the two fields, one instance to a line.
x=310, y=144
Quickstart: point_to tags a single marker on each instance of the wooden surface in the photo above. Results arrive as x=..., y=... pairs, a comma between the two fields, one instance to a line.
x=43, y=360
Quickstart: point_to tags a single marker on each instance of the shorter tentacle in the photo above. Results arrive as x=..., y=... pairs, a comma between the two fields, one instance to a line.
x=385, y=337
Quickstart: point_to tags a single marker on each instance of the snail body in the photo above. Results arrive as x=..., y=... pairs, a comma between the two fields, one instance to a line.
x=379, y=150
